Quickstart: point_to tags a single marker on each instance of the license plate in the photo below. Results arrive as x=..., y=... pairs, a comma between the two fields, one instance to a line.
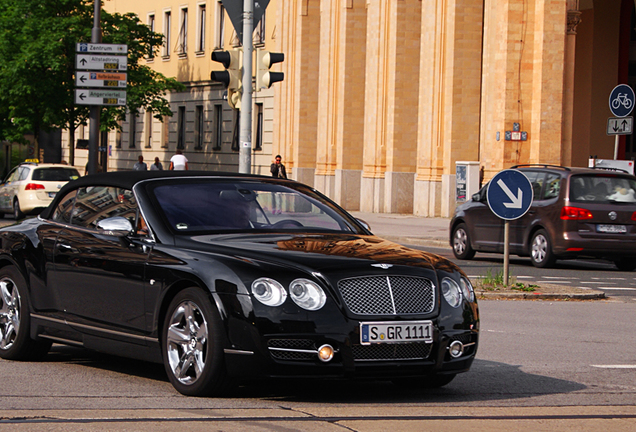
x=52, y=194
x=392, y=332
x=620, y=229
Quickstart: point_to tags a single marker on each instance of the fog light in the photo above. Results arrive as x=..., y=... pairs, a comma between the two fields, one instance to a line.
x=325, y=353
x=456, y=349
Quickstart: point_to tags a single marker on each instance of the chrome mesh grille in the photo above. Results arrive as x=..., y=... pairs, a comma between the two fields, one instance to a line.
x=291, y=344
x=388, y=295
x=379, y=352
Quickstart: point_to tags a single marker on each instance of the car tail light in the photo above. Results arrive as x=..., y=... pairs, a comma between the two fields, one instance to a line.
x=33, y=186
x=634, y=216
x=575, y=213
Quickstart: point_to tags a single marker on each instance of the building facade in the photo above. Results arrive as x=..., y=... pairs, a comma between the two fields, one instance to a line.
x=381, y=98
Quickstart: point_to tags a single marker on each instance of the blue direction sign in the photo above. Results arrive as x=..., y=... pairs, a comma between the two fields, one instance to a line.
x=509, y=194
x=621, y=100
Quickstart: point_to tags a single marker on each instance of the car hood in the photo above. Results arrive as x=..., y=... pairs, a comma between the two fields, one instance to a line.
x=319, y=252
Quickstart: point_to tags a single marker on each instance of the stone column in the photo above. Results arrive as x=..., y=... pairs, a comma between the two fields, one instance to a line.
x=390, y=129
x=574, y=18
x=341, y=100
x=296, y=107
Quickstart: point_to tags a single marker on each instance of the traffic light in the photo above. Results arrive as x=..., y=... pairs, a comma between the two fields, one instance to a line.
x=265, y=60
x=232, y=76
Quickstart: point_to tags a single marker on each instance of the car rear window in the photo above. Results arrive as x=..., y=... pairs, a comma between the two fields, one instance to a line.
x=602, y=189
x=55, y=174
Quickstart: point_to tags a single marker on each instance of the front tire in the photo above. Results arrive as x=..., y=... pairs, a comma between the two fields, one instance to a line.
x=192, y=345
x=461, y=243
x=15, y=319
x=541, y=253
x=625, y=264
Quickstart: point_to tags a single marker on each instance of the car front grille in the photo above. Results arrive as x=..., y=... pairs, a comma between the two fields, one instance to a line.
x=388, y=295
x=380, y=352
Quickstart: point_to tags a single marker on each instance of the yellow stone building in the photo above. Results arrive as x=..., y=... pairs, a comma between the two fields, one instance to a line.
x=381, y=98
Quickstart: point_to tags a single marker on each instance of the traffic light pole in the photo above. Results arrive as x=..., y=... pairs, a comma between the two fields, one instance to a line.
x=245, y=126
x=93, y=138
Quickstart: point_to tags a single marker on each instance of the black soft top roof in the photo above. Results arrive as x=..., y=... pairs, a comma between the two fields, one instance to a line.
x=127, y=179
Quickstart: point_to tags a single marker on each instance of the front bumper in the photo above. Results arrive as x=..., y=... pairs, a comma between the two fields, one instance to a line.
x=294, y=355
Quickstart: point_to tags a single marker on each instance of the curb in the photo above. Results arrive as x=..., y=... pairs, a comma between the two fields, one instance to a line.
x=491, y=295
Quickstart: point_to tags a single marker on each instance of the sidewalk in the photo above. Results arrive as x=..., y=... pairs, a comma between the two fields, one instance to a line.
x=408, y=229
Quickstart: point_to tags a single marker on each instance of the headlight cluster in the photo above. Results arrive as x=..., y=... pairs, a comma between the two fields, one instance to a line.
x=467, y=289
x=454, y=292
x=305, y=293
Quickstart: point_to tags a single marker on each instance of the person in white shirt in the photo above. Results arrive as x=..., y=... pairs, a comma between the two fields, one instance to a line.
x=178, y=162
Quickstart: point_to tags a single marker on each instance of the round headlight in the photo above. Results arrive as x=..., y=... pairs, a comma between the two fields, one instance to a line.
x=307, y=294
x=451, y=292
x=467, y=289
x=269, y=292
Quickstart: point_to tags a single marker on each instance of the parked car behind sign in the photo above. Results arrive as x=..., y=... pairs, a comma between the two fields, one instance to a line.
x=576, y=213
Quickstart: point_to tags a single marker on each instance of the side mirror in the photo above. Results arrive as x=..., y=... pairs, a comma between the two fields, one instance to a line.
x=116, y=225
x=364, y=224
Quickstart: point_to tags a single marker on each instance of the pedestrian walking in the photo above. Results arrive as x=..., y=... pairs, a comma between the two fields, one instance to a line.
x=157, y=166
x=178, y=162
x=278, y=170
x=140, y=165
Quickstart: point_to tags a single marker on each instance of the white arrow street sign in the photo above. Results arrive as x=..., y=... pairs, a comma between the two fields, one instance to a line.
x=101, y=62
x=100, y=97
x=100, y=79
x=516, y=200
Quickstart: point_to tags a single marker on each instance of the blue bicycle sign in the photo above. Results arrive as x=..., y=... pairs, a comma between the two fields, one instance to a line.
x=621, y=100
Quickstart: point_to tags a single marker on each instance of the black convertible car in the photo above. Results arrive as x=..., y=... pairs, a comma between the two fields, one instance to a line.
x=226, y=277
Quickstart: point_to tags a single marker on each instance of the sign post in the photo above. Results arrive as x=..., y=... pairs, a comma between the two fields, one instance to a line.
x=621, y=103
x=509, y=196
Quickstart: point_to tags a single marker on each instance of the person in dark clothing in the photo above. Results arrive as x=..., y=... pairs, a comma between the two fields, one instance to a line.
x=278, y=169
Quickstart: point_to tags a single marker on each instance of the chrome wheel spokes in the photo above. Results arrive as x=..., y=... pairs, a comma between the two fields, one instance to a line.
x=460, y=241
x=539, y=248
x=9, y=314
x=187, y=340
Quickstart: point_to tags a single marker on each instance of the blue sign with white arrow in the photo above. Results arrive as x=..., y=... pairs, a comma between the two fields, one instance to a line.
x=509, y=194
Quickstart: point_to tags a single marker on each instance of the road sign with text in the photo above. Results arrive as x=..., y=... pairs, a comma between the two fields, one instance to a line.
x=100, y=97
x=101, y=62
x=93, y=48
x=100, y=79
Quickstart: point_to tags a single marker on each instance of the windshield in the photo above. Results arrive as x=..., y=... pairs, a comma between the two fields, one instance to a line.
x=213, y=206
x=606, y=188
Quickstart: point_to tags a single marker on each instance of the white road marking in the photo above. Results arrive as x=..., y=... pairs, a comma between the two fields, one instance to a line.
x=557, y=282
x=618, y=288
x=559, y=277
x=615, y=366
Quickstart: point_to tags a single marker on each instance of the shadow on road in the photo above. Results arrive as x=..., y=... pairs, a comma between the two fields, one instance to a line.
x=486, y=381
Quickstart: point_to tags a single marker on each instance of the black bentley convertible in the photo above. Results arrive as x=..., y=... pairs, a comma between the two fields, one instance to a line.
x=226, y=277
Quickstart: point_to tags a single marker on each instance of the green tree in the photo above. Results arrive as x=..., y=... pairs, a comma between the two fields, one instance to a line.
x=37, y=66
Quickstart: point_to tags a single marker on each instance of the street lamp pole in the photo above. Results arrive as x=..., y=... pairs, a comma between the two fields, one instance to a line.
x=245, y=126
x=93, y=139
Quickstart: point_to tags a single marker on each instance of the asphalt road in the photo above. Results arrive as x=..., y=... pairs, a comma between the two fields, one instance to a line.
x=593, y=274
x=540, y=366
